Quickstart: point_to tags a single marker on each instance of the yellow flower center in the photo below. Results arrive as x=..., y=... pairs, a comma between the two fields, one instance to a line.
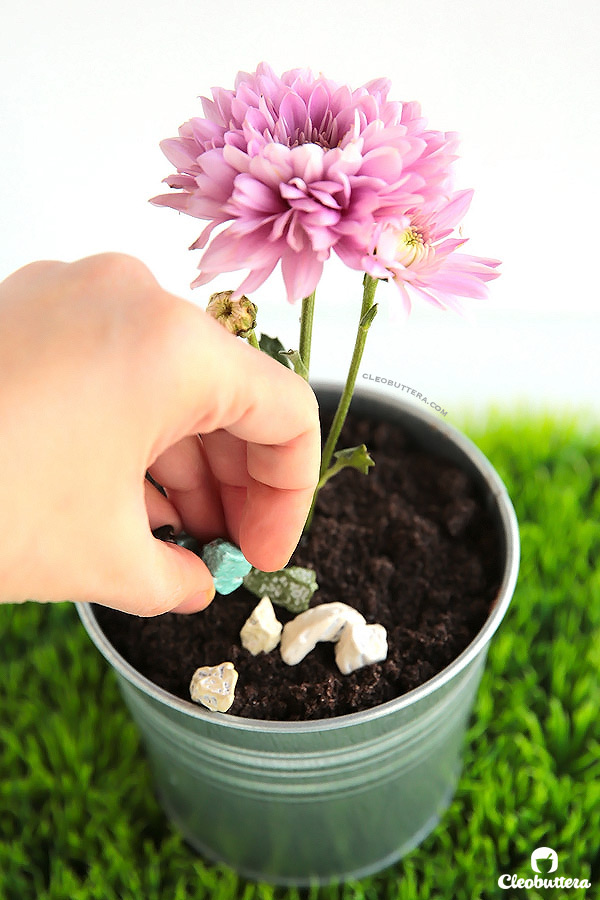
x=412, y=247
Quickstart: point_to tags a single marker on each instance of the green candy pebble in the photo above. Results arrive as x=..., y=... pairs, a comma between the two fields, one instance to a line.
x=291, y=588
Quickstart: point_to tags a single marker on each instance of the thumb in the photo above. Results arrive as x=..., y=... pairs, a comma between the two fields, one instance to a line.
x=173, y=579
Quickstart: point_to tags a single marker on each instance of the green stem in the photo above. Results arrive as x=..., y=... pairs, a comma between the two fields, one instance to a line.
x=306, y=325
x=367, y=314
x=370, y=286
x=251, y=338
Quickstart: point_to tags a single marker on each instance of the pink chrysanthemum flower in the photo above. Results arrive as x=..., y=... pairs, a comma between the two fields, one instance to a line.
x=421, y=256
x=297, y=167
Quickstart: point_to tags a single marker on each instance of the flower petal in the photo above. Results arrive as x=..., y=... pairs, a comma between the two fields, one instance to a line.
x=301, y=273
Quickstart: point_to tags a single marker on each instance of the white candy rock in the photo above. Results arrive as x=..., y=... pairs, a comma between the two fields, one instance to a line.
x=262, y=629
x=360, y=645
x=320, y=623
x=214, y=686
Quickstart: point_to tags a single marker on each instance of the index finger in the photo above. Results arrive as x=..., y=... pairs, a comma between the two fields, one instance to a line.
x=270, y=415
x=263, y=509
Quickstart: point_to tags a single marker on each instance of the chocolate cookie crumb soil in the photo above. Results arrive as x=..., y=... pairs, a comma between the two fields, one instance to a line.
x=410, y=546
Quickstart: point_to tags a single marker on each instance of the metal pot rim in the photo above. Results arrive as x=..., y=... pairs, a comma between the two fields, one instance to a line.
x=508, y=522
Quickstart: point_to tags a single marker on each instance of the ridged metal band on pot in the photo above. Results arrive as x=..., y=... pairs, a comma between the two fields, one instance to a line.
x=428, y=430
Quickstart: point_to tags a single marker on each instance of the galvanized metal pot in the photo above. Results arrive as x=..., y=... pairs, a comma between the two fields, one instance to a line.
x=305, y=802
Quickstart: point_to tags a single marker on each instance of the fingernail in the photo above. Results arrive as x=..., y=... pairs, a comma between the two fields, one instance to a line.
x=195, y=604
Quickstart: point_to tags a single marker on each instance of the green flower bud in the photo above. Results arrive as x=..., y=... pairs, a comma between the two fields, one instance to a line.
x=237, y=316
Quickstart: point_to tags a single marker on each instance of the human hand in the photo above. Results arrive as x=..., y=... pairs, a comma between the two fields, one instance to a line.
x=106, y=376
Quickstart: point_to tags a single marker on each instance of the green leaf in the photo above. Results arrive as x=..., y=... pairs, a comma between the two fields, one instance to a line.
x=357, y=457
x=291, y=588
x=296, y=361
x=273, y=347
x=367, y=319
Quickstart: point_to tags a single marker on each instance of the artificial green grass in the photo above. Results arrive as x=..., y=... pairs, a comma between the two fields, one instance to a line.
x=78, y=819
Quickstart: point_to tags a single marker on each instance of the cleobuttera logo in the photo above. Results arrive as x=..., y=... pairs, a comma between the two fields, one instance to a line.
x=547, y=857
x=544, y=861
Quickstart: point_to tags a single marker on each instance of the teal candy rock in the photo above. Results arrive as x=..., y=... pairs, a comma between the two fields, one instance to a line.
x=226, y=563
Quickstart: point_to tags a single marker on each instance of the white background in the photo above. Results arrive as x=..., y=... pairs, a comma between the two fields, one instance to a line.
x=89, y=90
